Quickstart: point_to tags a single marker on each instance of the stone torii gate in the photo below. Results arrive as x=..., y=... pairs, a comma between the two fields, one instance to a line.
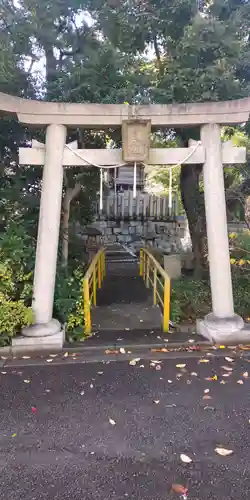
x=222, y=324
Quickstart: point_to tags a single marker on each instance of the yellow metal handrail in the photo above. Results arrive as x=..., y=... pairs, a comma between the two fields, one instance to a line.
x=92, y=280
x=154, y=274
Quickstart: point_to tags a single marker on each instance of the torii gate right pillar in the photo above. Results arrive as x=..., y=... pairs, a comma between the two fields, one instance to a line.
x=222, y=325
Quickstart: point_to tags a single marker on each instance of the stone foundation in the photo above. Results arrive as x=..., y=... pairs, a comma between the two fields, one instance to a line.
x=165, y=236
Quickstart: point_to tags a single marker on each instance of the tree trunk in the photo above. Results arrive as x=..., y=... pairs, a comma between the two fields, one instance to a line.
x=70, y=194
x=65, y=229
x=247, y=211
x=193, y=204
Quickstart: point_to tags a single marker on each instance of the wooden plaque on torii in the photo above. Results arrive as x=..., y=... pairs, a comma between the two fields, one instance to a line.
x=136, y=140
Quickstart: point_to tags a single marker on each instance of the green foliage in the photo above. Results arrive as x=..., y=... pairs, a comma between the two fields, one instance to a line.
x=68, y=302
x=13, y=316
x=191, y=299
x=16, y=277
x=240, y=252
x=17, y=257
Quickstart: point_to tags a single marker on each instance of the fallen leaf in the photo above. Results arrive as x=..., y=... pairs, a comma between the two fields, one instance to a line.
x=111, y=351
x=227, y=368
x=222, y=382
x=222, y=347
x=230, y=360
x=162, y=349
x=245, y=374
x=66, y=355
x=53, y=355
x=25, y=357
x=206, y=391
x=49, y=360
x=170, y=381
x=134, y=361
x=82, y=393
x=223, y=452
x=203, y=361
x=99, y=373
x=157, y=401
x=26, y=381
x=214, y=377
x=122, y=350
x=178, y=488
x=33, y=409
x=14, y=435
x=91, y=386
x=185, y=458
x=240, y=382
x=194, y=374
x=111, y=421
x=181, y=365
x=158, y=367
x=226, y=374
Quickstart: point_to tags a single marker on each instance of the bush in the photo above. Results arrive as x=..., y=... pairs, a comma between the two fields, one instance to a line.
x=68, y=302
x=191, y=299
x=17, y=260
x=13, y=316
x=16, y=278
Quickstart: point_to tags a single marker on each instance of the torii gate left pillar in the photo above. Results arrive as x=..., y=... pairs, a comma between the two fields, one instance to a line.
x=48, y=237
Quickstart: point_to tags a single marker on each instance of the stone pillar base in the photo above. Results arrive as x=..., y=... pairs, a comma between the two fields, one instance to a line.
x=40, y=337
x=42, y=329
x=226, y=331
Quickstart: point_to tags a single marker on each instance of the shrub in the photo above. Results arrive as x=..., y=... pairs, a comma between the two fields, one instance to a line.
x=13, y=316
x=191, y=299
x=16, y=277
x=68, y=302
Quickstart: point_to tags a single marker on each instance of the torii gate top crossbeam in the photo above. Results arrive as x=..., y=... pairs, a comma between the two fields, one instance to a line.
x=112, y=115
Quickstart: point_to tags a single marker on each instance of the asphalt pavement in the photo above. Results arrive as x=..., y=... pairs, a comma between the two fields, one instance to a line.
x=100, y=431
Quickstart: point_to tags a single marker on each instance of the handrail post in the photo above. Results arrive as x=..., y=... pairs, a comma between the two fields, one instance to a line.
x=144, y=265
x=99, y=273
x=94, y=286
x=154, y=287
x=166, y=308
x=141, y=262
x=104, y=264
x=86, y=302
x=147, y=270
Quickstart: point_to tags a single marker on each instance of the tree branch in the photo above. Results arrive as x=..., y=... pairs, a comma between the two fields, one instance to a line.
x=157, y=54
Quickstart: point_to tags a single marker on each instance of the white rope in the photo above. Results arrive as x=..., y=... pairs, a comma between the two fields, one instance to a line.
x=170, y=167
x=170, y=197
x=101, y=189
x=123, y=164
x=91, y=162
x=134, y=183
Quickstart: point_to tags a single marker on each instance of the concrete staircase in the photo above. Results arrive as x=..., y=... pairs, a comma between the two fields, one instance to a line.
x=125, y=313
x=118, y=253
